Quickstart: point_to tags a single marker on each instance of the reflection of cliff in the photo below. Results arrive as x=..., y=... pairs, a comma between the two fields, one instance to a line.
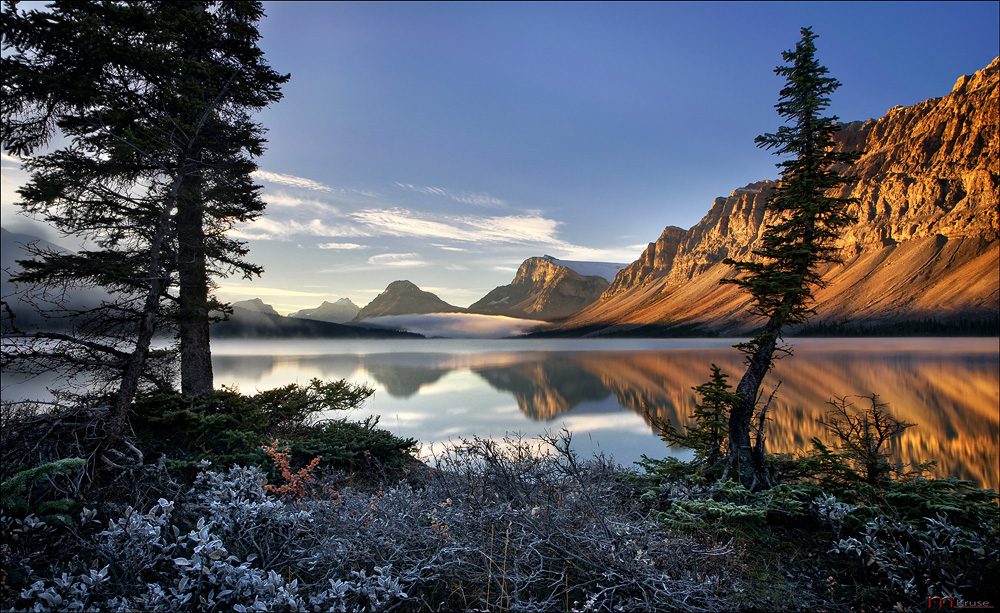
x=546, y=387
x=658, y=384
x=953, y=402
x=951, y=394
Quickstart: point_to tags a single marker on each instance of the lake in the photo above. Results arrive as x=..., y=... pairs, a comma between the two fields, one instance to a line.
x=605, y=391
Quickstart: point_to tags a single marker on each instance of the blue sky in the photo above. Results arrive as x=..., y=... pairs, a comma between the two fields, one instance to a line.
x=444, y=143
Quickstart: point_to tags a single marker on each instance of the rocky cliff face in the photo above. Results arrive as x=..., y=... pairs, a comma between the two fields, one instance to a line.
x=924, y=244
x=342, y=311
x=542, y=289
x=405, y=298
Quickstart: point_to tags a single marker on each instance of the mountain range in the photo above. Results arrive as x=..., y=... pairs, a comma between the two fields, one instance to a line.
x=921, y=256
x=922, y=252
x=255, y=319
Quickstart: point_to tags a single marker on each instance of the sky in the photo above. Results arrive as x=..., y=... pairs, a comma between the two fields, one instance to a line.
x=445, y=143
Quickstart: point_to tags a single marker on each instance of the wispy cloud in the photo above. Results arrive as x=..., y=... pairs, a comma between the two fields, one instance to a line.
x=475, y=198
x=348, y=246
x=479, y=199
x=6, y=157
x=267, y=228
x=523, y=229
x=300, y=182
x=423, y=189
x=296, y=216
x=257, y=290
x=400, y=260
x=403, y=222
x=517, y=229
x=282, y=199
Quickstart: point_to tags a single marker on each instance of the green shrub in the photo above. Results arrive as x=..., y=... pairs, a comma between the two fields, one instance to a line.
x=709, y=435
x=15, y=493
x=229, y=428
x=350, y=445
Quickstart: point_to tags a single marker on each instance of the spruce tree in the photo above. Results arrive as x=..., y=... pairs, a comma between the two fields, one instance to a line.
x=154, y=100
x=805, y=220
x=709, y=436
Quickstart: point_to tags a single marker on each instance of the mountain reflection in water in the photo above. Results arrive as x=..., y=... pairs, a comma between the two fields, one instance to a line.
x=439, y=390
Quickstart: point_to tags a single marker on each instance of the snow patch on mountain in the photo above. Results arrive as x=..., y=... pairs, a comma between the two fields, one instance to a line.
x=607, y=270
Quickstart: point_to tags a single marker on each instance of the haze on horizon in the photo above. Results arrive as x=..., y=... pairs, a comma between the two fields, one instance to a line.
x=445, y=143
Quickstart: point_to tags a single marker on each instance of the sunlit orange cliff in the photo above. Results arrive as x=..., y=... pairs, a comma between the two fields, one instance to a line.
x=924, y=245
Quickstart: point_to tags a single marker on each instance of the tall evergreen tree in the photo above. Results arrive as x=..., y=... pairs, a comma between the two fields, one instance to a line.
x=155, y=100
x=805, y=218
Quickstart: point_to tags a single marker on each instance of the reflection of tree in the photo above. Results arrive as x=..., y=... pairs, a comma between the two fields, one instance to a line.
x=952, y=400
x=546, y=387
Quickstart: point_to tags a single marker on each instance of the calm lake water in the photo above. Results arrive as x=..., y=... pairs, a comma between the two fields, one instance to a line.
x=604, y=391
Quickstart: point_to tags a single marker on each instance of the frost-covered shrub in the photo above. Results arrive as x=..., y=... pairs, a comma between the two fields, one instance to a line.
x=831, y=512
x=911, y=563
x=65, y=593
x=497, y=525
x=156, y=566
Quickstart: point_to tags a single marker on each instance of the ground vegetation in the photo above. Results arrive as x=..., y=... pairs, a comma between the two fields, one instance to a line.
x=277, y=508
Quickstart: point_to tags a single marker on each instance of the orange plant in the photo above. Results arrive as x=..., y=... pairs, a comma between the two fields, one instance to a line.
x=297, y=485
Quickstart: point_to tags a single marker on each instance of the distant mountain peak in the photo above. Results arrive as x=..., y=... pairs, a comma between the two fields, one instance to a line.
x=405, y=298
x=339, y=312
x=548, y=288
x=401, y=285
x=256, y=305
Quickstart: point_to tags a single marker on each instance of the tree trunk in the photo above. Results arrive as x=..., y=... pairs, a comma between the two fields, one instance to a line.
x=133, y=368
x=192, y=274
x=147, y=327
x=744, y=456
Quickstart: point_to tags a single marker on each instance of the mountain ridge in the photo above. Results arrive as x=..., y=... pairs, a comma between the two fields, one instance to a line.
x=339, y=312
x=924, y=245
x=254, y=323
